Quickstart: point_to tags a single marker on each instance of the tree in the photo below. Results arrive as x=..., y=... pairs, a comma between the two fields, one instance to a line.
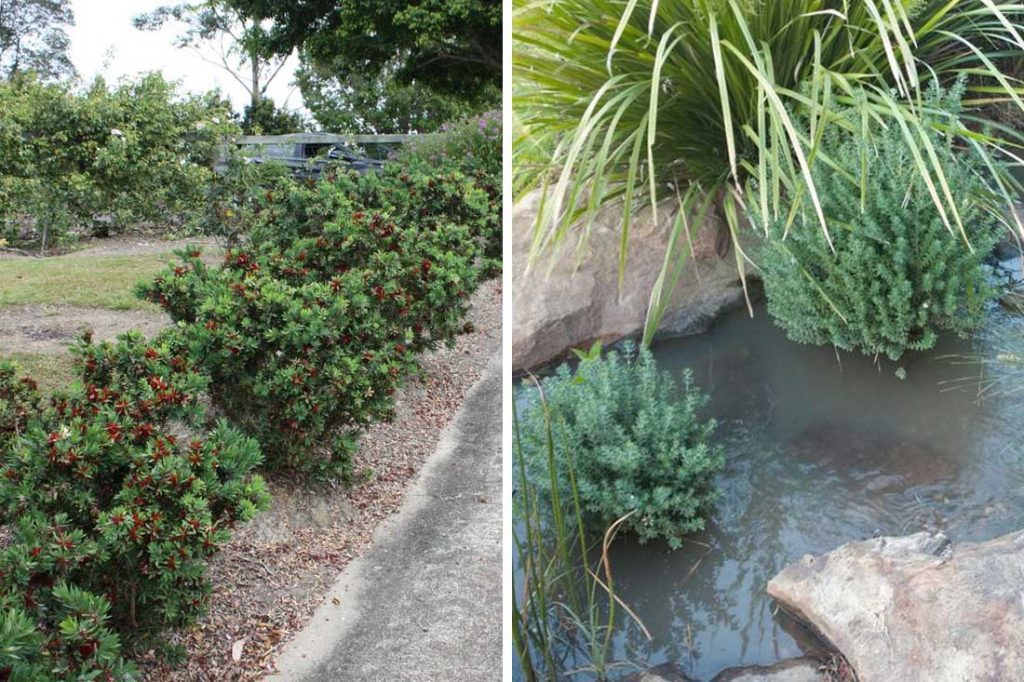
x=33, y=37
x=266, y=118
x=226, y=37
x=389, y=65
x=346, y=101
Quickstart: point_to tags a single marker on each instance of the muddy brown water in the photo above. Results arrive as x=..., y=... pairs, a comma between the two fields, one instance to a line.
x=822, y=449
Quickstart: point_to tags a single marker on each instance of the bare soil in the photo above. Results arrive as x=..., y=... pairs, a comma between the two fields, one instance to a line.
x=50, y=329
x=141, y=244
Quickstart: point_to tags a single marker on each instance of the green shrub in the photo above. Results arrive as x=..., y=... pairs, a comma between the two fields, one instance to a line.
x=633, y=444
x=565, y=609
x=231, y=196
x=292, y=363
x=418, y=235
x=898, y=274
x=117, y=490
x=104, y=157
x=620, y=104
x=308, y=330
x=78, y=647
x=473, y=148
x=19, y=401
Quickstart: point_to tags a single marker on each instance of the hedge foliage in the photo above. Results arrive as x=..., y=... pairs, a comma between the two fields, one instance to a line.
x=899, y=275
x=116, y=495
x=627, y=439
x=472, y=147
x=104, y=157
x=314, y=319
x=117, y=490
x=309, y=328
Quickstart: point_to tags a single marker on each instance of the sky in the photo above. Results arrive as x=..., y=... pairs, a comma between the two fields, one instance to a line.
x=104, y=42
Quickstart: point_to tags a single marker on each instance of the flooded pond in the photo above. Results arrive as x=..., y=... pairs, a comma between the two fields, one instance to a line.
x=821, y=449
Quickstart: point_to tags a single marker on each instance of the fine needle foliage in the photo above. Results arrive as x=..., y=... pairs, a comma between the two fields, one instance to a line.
x=565, y=610
x=627, y=444
x=894, y=277
x=635, y=101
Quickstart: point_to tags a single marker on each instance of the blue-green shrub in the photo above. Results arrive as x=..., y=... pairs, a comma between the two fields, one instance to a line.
x=635, y=440
x=898, y=275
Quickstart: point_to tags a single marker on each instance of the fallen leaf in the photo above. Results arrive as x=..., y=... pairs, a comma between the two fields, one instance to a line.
x=236, y=649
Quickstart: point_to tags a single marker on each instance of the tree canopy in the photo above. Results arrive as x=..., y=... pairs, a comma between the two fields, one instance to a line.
x=389, y=65
x=33, y=37
x=223, y=36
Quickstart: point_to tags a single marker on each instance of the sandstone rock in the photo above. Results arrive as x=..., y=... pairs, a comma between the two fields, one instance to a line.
x=793, y=670
x=559, y=306
x=915, y=608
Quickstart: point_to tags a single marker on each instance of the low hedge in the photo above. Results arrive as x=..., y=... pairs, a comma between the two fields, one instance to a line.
x=119, y=489
x=473, y=148
x=308, y=330
x=116, y=496
x=291, y=363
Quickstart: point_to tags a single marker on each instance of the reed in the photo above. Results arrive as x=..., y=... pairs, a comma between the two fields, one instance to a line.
x=565, y=610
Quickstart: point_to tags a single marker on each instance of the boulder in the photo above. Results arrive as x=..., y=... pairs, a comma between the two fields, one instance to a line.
x=915, y=608
x=568, y=300
x=792, y=670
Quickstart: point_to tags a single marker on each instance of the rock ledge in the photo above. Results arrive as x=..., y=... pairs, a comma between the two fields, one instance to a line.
x=915, y=608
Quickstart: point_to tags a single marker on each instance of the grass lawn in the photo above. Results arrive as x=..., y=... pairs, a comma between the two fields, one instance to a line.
x=87, y=281
x=51, y=371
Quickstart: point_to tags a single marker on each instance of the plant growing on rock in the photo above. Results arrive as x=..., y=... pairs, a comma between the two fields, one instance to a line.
x=894, y=275
x=116, y=490
x=627, y=440
x=627, y=103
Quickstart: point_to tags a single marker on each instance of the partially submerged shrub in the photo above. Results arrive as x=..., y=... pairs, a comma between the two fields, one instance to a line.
x=899, y=274
x=564, y=608
x=635, y=445
x=115, y=489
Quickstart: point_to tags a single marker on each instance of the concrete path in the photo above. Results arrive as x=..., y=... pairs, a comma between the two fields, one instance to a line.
x=424, y=602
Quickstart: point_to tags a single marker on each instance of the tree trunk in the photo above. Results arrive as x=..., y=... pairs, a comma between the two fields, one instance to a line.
x=254, y=60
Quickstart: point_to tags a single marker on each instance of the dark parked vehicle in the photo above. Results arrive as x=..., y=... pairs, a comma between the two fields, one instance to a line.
x=312, y=159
